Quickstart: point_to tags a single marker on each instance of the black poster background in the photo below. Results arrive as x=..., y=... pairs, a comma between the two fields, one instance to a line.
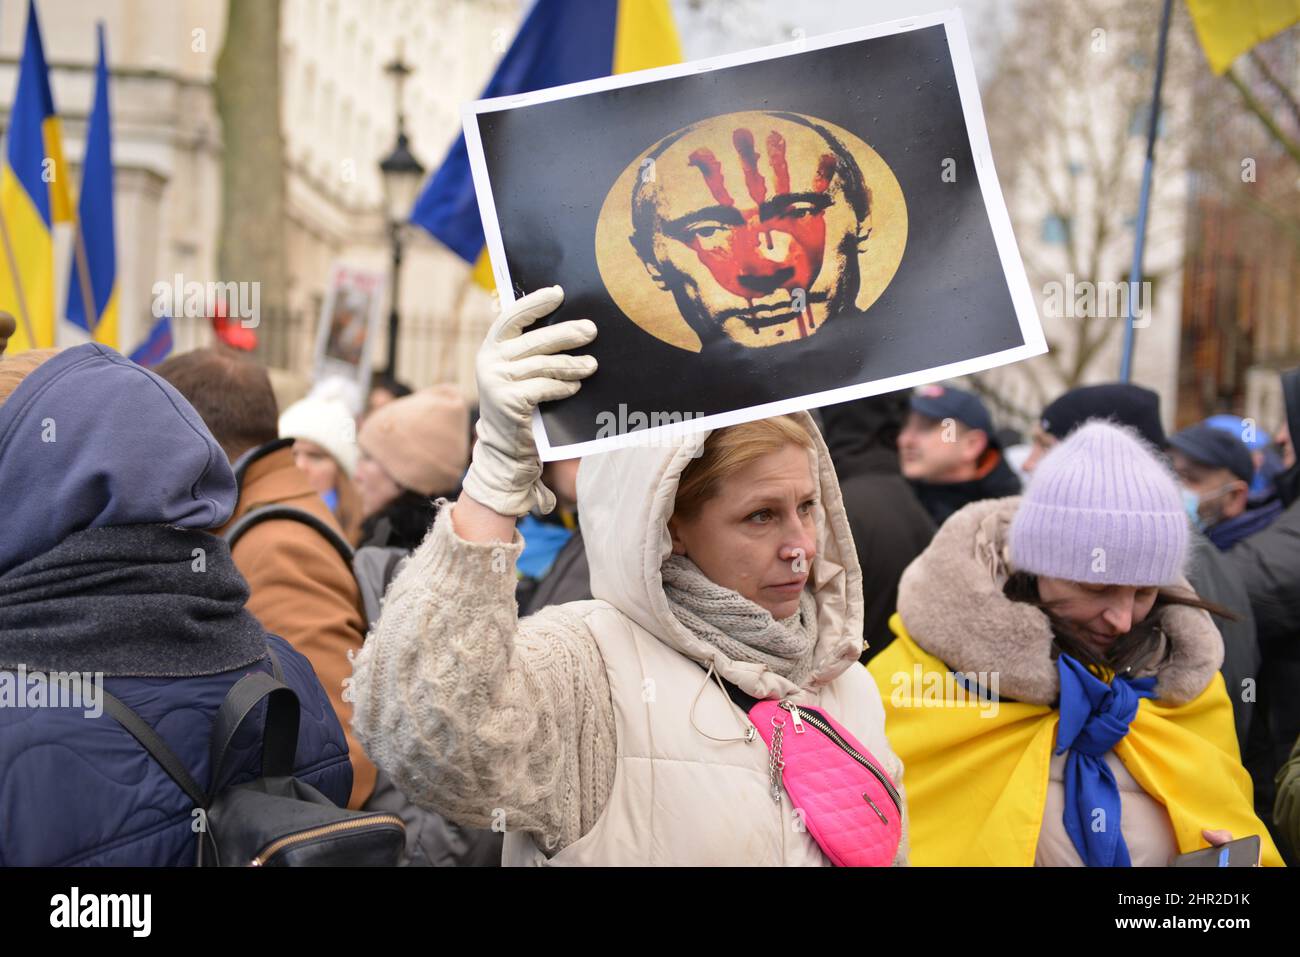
x=551, y=165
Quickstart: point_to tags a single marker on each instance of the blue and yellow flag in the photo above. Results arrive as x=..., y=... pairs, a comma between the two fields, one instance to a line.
x=157, y=346
x=561, y=41
x=92, y=283
x=1228, y=28
x=33, y=197
x=977, y=776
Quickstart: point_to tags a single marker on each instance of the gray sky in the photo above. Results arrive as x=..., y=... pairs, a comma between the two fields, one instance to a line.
x=713, y=27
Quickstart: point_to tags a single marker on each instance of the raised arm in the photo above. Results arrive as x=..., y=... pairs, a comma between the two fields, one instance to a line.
x=489, y=720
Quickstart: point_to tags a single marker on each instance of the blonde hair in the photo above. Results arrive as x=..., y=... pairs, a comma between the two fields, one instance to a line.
x=15, y=368
x=729, y=450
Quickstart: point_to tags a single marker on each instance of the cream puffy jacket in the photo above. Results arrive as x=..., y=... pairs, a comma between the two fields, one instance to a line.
x=592, y=732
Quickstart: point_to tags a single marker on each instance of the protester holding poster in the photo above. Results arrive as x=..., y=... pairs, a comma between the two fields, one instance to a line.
x=613, y=731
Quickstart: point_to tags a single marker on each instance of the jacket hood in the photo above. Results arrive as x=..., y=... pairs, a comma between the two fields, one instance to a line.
x=951, y=603
x=625, y=500
x=90, y=439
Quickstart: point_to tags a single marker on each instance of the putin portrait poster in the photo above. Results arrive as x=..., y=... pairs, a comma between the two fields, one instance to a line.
x=758, y=233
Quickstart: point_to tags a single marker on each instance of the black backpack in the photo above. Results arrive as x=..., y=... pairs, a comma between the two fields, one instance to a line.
x=274, y=820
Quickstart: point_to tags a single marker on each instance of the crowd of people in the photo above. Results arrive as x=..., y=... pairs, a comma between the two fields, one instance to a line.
x=1080, y=648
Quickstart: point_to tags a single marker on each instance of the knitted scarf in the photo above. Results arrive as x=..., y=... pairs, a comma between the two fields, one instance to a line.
x=740, y=629
x=140, y=600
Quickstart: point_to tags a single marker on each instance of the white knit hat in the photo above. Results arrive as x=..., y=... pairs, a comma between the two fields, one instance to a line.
x=328, y=423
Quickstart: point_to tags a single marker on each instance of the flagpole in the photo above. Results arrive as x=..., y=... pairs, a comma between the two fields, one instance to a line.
x=83, y=274
x=1144, y=200
x=79, y=237
x=18, y=283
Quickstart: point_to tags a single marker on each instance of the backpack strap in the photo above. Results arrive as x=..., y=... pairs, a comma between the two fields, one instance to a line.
x=288, y=512
x=280, y=732
x=275, y=662
x=151, y=741
x=157, y=748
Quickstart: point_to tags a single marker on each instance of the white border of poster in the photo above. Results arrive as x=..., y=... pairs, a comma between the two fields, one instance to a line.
x=324, y=367
x=1022, y=296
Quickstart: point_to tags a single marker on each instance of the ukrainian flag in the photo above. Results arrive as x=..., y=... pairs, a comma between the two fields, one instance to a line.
x=1228, y=28
x=93, y=279
x=33, y=197
x=561, y=41
x=157, y=346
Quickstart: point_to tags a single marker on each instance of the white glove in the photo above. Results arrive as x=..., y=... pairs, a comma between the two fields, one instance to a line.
x=516, y=371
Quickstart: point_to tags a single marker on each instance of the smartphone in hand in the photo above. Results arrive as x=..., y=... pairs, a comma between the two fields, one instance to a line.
x=1243, y=852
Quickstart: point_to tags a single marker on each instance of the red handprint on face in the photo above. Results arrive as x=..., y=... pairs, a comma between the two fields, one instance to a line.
x=779, y=243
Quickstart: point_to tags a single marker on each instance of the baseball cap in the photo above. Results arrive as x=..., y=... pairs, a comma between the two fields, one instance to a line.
x=942, y=402
x=1215, y=448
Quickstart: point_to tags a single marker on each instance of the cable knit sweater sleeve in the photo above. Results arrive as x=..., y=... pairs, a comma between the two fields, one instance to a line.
x=487, y=719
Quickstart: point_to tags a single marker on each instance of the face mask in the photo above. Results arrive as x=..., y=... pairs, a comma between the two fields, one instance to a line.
x=1192, y=505
x=1217, y=516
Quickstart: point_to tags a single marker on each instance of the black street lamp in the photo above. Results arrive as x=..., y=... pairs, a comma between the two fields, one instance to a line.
x=402, y=175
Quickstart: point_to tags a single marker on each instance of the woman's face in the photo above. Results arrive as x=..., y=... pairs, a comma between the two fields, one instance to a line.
x=318, y=465
x=375, y=486
x=1102, y=613
x=745, y=538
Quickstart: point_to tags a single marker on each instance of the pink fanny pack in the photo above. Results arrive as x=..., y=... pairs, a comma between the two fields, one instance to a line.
x=848, y=803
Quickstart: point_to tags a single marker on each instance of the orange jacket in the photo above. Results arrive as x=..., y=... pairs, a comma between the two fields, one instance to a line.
x=301, y=589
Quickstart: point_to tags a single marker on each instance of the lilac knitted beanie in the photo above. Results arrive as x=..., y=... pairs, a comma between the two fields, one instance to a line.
x=1101, y=508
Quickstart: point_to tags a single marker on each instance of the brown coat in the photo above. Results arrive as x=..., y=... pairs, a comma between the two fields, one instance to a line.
x=301, y=590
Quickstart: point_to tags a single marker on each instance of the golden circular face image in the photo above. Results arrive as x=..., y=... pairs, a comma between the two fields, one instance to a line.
x=758, y=226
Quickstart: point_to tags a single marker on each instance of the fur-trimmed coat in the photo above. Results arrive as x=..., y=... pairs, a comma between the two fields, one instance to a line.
x=952, y=605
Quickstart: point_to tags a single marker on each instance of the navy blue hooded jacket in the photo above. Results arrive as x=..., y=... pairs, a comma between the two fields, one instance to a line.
x=108, y=480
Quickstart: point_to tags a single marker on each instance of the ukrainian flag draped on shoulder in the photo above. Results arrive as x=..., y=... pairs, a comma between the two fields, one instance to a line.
x=92, y=284
x=33, y=197
x=561, y=41
x=977, y=779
